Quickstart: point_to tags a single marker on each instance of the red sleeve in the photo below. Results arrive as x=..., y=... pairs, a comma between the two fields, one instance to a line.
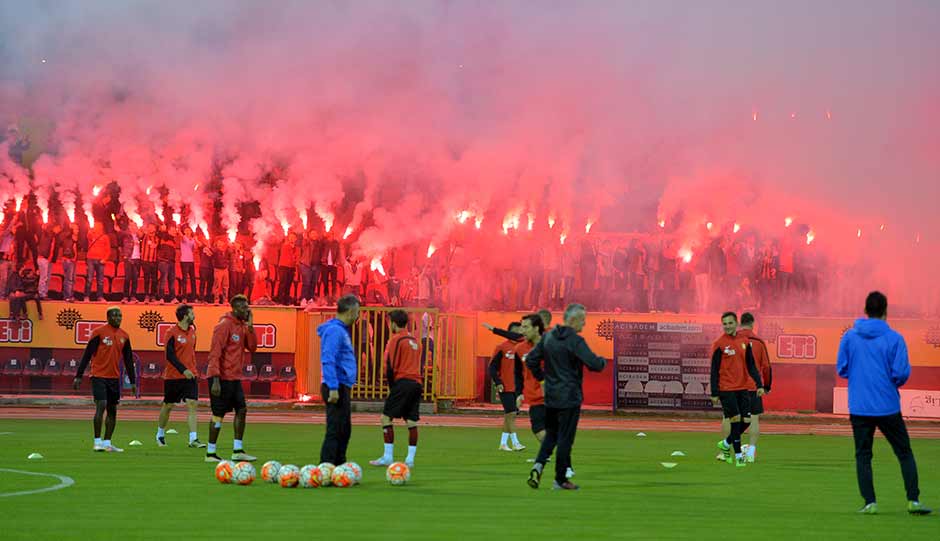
x=219, y=336
x=251, y=341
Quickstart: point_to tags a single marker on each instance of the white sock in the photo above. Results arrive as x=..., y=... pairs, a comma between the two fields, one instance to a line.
x=505, y=439
x=192, y=437
x=210, y=449
x=106, y=443
x=751, y=450
x=515, y=439
x=237, y=445
x=389, y=451
x=160, y=432
x=412, y=449
x=98, y=442
x=738, y=455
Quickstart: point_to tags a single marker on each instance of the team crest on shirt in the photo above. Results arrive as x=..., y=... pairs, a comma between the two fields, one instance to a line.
x=235, y=338
x=122, y=340
x=107, y=341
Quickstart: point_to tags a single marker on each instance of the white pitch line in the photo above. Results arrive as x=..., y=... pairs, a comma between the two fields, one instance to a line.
x=64, y=481
x=5, y=433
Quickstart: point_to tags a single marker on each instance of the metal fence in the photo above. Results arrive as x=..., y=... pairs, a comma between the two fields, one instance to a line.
x=446, y=352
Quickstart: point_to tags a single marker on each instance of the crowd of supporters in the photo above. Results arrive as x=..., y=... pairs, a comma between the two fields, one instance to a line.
x=116, y=260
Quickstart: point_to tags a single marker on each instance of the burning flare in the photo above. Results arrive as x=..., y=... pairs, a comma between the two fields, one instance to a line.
x=376, y=265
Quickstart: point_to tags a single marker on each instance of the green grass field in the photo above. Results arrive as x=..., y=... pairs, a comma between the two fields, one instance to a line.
x=802, y=488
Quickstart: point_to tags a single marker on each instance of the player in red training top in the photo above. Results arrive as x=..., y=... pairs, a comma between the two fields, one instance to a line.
x=403, y=372
x=506, y=373
x=233, y=342
x=180, y=378
x=731, y=368
x=108, y=345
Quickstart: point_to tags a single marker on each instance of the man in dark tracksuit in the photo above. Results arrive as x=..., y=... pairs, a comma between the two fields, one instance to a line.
x=564, y=352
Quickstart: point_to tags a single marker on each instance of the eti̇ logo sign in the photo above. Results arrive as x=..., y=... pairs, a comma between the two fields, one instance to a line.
x=266, y=335
x=83, y=330
x=796, y=346
x=16, y=331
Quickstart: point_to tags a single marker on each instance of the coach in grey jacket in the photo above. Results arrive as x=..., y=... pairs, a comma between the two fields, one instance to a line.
x=564, y=353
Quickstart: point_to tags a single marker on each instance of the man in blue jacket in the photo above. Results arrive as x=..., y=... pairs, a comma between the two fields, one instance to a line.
x=338, y=375
x=873, y=357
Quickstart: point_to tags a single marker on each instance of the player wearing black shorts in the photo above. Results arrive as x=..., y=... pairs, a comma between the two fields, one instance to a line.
x=505, y=369
x=403, y=372
x=731, y=367
x=108, y=345
x=233, y=342
x=180, y=383
x=762, y=359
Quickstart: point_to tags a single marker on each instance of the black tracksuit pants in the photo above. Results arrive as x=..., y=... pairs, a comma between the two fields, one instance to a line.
x=894, y=430
x=560, y=428
x=338, y=426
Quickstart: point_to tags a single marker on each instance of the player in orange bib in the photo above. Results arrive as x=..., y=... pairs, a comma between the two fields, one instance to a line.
x=180, y=378
x=109, y=344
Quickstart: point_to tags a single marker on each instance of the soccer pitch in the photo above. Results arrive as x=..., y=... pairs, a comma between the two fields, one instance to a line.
x=803, y=487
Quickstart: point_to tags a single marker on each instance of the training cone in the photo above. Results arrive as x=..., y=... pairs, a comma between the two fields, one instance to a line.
x=34, y=456
x=172, y=431
x=669, y=465
x=678, y=453
x=135, y=443
x=641, y=434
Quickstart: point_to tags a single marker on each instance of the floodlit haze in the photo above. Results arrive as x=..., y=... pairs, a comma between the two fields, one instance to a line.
x=391, y=118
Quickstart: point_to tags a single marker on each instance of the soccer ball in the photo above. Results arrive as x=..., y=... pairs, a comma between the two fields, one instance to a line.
x=310, y=476
x=243, y=473
x=398, y=473
x=356, y=470
x=343, y=476
x=269, y=471
x=288, y=476
x=326, y=473
x=223, y=472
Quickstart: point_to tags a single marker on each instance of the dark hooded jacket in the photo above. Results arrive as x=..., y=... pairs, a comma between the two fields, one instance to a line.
x=558, y=359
